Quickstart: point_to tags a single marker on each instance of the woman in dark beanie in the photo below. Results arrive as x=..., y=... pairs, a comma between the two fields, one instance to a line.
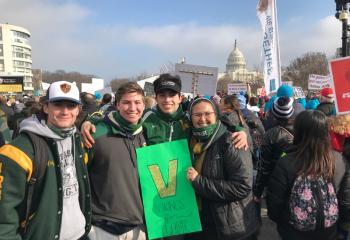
x=221, y=177
x=275, y=143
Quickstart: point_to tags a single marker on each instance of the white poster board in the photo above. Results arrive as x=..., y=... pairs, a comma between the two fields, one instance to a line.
x=236, y=88
x=317, y=82
x=96, y=84
x=197, y=79
x=298, y=92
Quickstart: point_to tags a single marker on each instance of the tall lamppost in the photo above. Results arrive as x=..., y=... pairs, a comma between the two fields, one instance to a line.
x=342, y=14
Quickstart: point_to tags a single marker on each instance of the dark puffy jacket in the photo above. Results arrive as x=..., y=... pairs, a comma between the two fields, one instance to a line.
x=279, y=188
x=276, y=141
x=115, y=187
x=225, y=185
x=231, y=120
x=256, y=128
x=327, y=108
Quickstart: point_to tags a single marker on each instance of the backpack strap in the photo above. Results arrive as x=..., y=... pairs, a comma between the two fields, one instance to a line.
x=39, y=162
x=146, y=115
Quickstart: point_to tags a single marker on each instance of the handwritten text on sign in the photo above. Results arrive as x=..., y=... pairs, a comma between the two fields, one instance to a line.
x=169, y=201
x=317, y=82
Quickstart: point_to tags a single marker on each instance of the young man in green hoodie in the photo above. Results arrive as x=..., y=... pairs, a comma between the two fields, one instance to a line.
x=116, y=195
x=60, y=206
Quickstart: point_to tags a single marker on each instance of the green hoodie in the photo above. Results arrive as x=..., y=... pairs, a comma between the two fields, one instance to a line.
x=159, y=127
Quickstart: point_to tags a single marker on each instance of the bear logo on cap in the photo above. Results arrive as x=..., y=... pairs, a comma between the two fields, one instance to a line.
x=65, y=87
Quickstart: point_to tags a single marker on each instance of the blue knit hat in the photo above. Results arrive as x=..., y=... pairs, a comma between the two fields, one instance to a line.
x=285, y=90
x=312, y=104
x=242, y=101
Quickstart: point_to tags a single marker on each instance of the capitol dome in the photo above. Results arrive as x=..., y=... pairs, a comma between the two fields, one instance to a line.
x=235, y=61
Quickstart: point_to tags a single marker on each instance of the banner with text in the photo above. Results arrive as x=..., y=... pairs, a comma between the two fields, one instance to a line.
x=340, y=81
x=11, y=84
x=168, y=197
x=317, y=82
x=236, y=88
x=267, y=14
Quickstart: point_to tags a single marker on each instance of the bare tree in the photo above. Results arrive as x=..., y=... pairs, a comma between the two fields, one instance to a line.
x=257, y=83
x=222, y=83
x=300, y=68
x=61, y=75
x=117, y=82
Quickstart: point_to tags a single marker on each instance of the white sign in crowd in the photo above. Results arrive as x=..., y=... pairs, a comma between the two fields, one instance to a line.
x=317, y=82
x=298, y=92
x=236, y=88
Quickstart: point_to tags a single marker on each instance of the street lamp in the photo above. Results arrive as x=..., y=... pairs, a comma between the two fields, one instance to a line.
x=342, y=14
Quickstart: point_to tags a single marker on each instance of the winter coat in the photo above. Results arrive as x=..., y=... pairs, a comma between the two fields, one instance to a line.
x=256, y=128
x=276, y=141
x=224, y=186
x=116, y=193
x=327, y=108
x=279, y=188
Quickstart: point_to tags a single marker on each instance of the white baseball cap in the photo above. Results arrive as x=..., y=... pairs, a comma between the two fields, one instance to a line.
x=63, y=90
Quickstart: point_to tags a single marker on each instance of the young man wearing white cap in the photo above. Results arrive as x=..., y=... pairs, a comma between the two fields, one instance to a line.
x=59, y=205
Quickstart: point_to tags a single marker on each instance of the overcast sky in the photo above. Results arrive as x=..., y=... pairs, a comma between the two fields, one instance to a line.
x=115, y=38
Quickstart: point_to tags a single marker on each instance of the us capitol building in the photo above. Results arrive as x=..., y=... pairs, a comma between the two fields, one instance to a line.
x=236, y=70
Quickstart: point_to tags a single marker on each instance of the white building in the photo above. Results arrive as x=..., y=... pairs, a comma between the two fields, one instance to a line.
x=236, y=67
x=16, y=54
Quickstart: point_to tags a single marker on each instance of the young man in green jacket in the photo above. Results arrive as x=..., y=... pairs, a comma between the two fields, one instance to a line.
x=60, y=205
x=117, y=209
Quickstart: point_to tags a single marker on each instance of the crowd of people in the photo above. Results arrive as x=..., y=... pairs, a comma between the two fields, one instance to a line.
x=68, y=164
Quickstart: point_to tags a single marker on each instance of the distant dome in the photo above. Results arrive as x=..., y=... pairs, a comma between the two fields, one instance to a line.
x=235, y=60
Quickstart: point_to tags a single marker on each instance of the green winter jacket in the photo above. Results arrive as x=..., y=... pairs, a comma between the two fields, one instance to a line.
x=4, y=128
x=15, y=171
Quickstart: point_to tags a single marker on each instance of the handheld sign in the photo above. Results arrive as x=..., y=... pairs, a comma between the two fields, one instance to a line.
x=317, y=82
x=298, y=92
x=236, y=88
x=168, y=197
x=340, y=80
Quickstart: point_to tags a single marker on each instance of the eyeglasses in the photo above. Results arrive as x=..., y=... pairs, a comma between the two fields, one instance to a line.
x=200, y=114
x=69, y=105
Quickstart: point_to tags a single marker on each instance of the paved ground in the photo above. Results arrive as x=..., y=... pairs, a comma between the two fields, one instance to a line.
x=268, y=229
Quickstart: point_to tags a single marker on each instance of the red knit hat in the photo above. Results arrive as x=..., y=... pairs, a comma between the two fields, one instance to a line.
x=327, y=92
